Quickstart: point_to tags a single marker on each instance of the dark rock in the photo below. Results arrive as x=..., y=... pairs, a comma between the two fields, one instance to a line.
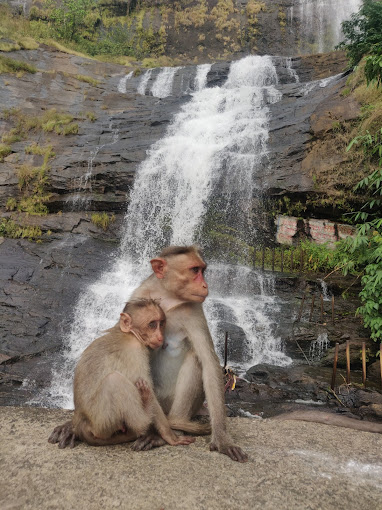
x=374, y=372
x=39, y=284
x=355, y=353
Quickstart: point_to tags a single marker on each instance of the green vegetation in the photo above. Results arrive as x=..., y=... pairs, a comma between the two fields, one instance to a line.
x=49, y=121
x=91, y=116
x=14, y=32
x=102, y=220
x=109, y=30
x=364, y=251
x=33, y=183
x=8, y=228
x=5, y=150
x=70, y=17
x=10, y=65
x=363, y=32
x=87, y=79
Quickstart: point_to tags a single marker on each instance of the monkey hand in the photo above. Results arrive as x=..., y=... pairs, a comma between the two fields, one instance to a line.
x=63, y=435
x=234, y=452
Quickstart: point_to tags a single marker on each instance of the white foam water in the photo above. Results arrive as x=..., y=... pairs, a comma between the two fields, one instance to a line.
x=162, y=86
x=123, y=82
x=143, y=82
x=201, y=76
x=215, y=144
x=319, y=346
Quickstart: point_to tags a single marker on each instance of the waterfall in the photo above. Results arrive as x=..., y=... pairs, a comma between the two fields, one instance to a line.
x=144, y=81
x=162, y=86
x=123, y=81
x=319, y=346
x=320, y=22
x=210, y=154
x=201, y=76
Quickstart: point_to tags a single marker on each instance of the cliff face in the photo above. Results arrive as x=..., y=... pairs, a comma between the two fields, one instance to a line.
x=91, y=168
x=109, y=126
x=197, y=30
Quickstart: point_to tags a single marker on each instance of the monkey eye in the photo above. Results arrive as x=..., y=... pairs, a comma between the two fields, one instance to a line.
x=195, y=269
x=152, y=324
x=162, y=323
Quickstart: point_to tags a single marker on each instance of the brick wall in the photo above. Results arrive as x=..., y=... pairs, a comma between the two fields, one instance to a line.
x=290, y=230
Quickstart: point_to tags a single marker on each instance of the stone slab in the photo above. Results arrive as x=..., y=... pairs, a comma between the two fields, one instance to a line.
x=292, y=465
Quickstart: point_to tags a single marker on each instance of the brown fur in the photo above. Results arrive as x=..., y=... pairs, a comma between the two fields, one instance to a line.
x=113, y=394
x=188, y=369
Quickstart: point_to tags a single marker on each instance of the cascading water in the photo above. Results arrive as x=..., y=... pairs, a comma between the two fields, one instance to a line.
x=144, y=81
x=319, y=22
x=201, y=76
x=123, y=82
x=212, y=150
x=163, y=83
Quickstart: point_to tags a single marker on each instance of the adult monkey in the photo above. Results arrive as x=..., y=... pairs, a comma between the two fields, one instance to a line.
x=188, y=368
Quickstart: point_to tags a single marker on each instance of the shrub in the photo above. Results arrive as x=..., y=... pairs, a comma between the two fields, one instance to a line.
x=5, y=150
x=10, y=65
x=8, y=228
x=102, y=220
x=363, y=32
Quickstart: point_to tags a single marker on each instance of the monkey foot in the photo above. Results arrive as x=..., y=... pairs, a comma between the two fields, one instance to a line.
x=144, y=390
x=63, y=435
x=148, y=442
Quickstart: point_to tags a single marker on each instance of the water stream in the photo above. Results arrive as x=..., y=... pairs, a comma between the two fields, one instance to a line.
x=212, y=150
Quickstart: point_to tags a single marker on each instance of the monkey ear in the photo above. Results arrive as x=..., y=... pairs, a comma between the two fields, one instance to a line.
x=159, y=267
x=125, y=323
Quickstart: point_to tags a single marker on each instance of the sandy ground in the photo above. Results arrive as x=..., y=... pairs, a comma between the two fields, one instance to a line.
x=292, y=466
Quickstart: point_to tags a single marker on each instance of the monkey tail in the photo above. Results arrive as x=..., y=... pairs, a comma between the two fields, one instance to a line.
x=331, y=419
x=191, y=427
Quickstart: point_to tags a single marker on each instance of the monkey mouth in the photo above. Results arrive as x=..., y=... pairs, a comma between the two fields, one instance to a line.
x=200, y=297
x=155, y=347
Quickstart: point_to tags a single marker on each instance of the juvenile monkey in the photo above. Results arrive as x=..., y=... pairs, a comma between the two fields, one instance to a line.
x=188, y=369
x=113, y=394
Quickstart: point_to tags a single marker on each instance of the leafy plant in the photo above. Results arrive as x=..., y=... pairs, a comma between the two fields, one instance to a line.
x=69, y=17
x=8, y=228
x=364, y=251
x=102, y=220
x=363, y=32
x=373, y=69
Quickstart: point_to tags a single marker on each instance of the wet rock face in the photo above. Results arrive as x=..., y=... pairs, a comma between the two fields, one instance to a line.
x=116, y=129
x=39, y=286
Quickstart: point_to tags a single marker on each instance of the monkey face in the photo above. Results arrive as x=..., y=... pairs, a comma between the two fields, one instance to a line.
x=149, y=327
x=184, y=277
